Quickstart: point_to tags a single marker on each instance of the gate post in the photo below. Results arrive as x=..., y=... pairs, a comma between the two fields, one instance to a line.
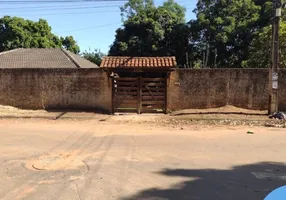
x=139, y=94
x=113, y=93
x=166, y=95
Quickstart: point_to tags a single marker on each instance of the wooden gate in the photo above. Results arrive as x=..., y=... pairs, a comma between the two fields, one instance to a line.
x=139, y=94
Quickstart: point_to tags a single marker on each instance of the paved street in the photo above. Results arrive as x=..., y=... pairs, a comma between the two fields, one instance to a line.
x=97, y=159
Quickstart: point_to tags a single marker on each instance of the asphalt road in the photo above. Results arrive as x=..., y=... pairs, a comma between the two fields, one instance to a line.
x=77, y=160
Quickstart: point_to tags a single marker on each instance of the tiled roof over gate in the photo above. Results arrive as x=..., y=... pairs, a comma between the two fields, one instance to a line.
x=138, y=62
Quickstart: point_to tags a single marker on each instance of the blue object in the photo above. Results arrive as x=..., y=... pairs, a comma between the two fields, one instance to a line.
x=277, y=194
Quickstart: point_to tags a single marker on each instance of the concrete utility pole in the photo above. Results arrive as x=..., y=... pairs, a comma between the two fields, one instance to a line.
x=273, y=70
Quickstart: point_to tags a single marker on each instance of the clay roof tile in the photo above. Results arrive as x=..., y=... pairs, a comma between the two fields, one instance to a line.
x=138, y=62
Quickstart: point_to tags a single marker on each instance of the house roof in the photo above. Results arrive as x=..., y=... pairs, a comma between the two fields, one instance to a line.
x=43, y=58
x=138, y=62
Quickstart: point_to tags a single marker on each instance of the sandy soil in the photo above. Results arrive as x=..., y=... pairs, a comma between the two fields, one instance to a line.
x=227, y=115
x=224, y=112
x=129, y=158
x=228, y=109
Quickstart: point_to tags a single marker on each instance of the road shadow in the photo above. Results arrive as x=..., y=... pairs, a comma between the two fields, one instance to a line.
x=253, y=182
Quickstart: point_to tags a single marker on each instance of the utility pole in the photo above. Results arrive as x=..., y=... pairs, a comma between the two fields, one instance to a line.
x=203, y=63
x=273, y=70
x=207, y=56
x=215, y=58
x=187, y=60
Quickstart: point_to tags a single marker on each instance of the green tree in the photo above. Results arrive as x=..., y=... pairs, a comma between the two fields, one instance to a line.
x=94, y=56
x=228, y=27
x=260, y=49
x=70, y=44
x=17, y=32
x=151, y=31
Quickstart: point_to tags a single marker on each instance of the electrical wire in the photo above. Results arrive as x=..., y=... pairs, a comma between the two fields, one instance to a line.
x=72, y=13
x=68, y=6
x=68, y=1
x=88, y=28
x=64, y=8
x=58, y=1
x=43, y=9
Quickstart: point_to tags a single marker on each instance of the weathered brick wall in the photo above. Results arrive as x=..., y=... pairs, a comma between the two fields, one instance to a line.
x=55, y=88
x=91, y=88
x=210, y=88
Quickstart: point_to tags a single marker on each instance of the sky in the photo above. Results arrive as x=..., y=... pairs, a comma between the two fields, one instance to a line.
x=92, y=24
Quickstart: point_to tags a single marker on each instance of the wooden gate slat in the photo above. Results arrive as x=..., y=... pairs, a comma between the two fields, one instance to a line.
x=153, y=102
x=154, y=84
x=152, y=110
x=150, y=98
x=145, y=93
x=122, y=93
x=153, y=89
x=139, y=94
x=152, y=107
x=126, y=84
x=122, y=97
x=125, y=88
x=154, y=79
x=126, y=79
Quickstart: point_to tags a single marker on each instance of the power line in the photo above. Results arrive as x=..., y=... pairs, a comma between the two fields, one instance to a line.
x=87, y=28
x=43, y=9
x=76, y=8
x=57, y=7
x=66, y=1
x=69, y=7
x=73, y=13
x=68, y=13
x=60, y=1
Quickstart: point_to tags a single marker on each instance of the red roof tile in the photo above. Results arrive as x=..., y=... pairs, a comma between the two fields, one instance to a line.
x=138, y=62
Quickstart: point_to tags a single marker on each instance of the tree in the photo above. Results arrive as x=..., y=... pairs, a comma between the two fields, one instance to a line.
x=260, y=49
x=17, y=32
x=150, y=31
x=94, y=56
x=226, y=27
x=70, y=44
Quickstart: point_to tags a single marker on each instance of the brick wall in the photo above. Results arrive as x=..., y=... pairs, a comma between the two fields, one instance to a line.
x=91, y=88
x=209, y=88
x=55, y=88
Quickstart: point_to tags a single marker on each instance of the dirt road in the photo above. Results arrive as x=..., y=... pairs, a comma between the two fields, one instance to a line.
x=98, y=159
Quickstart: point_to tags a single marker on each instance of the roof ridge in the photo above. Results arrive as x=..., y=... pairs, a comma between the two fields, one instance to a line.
x=10, y=51
x=70, y=57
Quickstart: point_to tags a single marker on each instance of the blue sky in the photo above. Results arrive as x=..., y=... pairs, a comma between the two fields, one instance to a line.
x=92, y=24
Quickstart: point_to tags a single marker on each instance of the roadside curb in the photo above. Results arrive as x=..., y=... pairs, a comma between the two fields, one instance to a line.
x=57, y=116
x=25, y=117
x=169, y=120
x=44, y=117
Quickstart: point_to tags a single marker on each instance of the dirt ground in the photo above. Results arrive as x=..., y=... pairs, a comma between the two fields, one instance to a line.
x=128, y=157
